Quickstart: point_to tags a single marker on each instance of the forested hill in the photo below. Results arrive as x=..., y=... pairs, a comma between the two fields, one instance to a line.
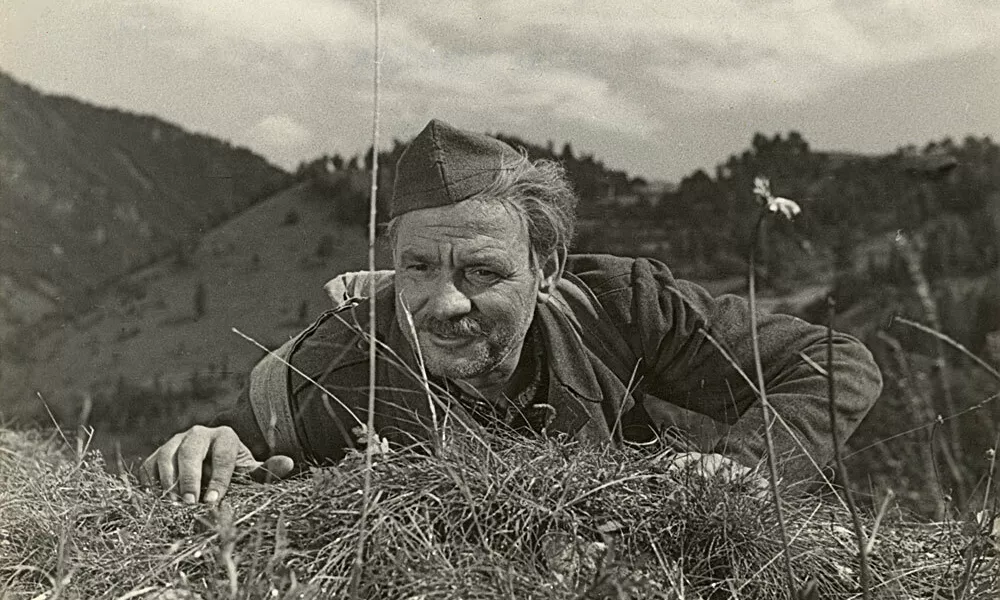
x=89, y=193
x=946, y=196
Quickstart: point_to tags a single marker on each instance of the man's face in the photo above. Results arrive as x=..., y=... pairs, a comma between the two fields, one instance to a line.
x=465, y=274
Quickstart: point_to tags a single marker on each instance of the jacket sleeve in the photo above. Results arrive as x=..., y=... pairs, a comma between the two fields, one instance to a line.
x=355, y=284
x=282, y=410
x=671, y=323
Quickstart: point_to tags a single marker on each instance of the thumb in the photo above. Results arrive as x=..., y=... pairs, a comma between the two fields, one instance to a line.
x=273, y=469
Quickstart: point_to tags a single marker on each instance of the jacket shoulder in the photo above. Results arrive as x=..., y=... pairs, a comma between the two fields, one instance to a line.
x=600, y=272
x=338, y=337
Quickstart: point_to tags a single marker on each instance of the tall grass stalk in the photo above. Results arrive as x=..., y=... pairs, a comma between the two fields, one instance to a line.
x=923, y=417
x=859, y=533
x=772, y=460
x=301, y=373
x=951, y=342
x=356, y=573
x=424, y=380
x=777, y=417
x=912, y=258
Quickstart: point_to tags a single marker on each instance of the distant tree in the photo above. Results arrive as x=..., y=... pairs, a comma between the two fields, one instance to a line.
x=796, y=143
x=352, y=165
x=303, y=311
x=338, y=161
x=567, y=152
x=200, y=300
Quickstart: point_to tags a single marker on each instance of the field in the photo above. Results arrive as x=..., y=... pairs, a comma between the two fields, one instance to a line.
x=479, y=517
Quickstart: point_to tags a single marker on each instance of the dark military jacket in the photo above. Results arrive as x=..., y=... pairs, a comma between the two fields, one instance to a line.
x=631, y=352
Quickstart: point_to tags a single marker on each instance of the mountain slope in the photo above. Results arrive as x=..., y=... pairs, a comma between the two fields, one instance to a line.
x=88, y=194
x=150, y=344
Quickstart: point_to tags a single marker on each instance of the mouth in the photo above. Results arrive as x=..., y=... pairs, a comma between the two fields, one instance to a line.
x=450, y=341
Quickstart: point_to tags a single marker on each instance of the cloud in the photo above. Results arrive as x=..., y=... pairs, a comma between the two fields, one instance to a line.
x=621, y=76
x=272, y=22
x=507, y=85
x=769, y=54
x=613, y=67
x=722, y=52
x=278, y=136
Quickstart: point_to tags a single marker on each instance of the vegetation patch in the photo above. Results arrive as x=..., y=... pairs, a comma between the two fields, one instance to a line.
x=504, y=517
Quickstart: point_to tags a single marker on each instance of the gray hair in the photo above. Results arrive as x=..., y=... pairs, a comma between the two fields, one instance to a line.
x=539, y=192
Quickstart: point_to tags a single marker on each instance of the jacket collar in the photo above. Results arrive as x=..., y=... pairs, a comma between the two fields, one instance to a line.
x=576, y=392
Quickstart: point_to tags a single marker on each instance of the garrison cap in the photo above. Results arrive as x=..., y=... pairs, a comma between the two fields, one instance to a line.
x=444, y=165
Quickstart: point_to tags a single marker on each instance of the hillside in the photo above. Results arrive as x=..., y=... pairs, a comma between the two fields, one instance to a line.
x=88, y=194
x=144, y=347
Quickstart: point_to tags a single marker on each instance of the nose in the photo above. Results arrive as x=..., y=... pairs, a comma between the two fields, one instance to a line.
x=447, y=301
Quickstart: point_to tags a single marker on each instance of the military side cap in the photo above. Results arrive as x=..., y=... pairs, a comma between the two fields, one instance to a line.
x=444, y=165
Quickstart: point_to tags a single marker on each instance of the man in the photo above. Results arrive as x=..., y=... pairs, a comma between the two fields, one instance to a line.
x=514, y=332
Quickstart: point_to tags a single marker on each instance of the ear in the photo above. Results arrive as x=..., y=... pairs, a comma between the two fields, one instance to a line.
x=550, y=270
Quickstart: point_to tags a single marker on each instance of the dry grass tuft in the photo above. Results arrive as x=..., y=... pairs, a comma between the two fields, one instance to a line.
x=534, y=518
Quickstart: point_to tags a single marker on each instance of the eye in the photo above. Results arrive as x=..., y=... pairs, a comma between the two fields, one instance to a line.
x=417, y=267
x=482, y=276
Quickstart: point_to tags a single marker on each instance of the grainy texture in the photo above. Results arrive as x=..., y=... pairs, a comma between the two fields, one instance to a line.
x=517, y=517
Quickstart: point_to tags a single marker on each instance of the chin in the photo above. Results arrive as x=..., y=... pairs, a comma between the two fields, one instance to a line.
x=472, y=362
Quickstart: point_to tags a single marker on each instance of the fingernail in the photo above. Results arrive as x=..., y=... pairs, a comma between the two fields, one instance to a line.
x=212, y=496
x=189, y=498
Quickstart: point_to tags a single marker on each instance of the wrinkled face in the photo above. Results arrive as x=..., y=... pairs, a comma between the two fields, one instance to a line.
x=465, y=274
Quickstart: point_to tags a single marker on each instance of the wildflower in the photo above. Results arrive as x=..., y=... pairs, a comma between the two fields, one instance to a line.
x=380, y=445
x=775, y=204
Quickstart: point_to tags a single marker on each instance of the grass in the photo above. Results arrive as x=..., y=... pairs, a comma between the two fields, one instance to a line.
x=524, y=518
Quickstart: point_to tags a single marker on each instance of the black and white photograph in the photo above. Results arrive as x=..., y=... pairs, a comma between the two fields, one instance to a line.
x=564, y=299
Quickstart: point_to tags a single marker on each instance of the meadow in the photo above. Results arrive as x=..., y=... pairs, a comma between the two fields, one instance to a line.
x=479, y=514
x=501, y=516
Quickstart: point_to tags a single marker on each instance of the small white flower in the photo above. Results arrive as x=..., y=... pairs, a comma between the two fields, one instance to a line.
x=762, y=188
x=775, y=204
x=787, y=207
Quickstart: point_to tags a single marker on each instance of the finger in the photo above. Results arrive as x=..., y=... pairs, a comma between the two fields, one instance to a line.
x=147, y=471
x=167, y=472
x=273, y=469
x=223, y=453
x=190, y=458
x=682, y=460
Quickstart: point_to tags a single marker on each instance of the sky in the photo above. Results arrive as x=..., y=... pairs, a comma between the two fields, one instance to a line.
x=657, y=88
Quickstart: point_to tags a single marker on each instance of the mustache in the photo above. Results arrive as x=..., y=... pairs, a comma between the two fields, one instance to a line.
x=466, y=327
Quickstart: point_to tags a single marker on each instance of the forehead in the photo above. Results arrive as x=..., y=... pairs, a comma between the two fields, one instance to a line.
x=470, y=224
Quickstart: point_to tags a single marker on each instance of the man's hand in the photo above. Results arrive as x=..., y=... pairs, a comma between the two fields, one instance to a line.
x=209, y=456
x=716, y=465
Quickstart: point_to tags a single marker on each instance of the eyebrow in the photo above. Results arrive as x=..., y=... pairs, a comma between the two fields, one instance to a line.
x=409, y=254
x=487, y=256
